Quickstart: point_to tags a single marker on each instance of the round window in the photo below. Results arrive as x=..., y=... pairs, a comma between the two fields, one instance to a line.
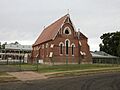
x=66, y=31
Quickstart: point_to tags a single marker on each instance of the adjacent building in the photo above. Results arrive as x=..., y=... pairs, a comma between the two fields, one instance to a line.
x=15, y=52
x=104, y=58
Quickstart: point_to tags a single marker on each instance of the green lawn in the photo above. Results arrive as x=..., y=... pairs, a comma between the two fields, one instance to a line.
x=69, y=67
x=63, y=70
x=57, y=68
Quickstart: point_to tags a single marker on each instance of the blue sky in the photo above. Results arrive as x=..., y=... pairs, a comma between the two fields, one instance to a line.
x=23, y=20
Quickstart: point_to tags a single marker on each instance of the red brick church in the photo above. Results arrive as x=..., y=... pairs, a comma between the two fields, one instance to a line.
x=61, y=43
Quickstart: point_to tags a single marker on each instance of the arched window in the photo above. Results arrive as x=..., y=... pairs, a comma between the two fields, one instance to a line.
x=72, y=45
x=67, y=47
x=72, y=50
x=67, y=44
x=67, y=31
x=61, y=49
x=61, y=44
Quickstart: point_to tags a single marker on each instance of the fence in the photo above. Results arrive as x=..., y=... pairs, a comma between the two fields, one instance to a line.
x=11, y=65
x=106, y=60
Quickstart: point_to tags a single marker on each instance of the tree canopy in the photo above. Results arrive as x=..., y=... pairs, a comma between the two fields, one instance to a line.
x=111, y=43
x=2, y=46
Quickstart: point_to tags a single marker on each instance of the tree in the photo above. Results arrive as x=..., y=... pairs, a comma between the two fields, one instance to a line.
x=111, y=43
x=3, y=45
x=118, y=50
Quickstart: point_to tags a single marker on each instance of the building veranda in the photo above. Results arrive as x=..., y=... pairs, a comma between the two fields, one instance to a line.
x=13, y=53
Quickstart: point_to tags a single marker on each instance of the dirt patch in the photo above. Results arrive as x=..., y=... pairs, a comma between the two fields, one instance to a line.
x=27, y=75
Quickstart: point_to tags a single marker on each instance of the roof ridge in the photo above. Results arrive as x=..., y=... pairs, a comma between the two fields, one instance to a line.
x=54, y=22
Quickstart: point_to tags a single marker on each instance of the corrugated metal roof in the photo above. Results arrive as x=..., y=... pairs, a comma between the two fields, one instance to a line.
x=94, y=55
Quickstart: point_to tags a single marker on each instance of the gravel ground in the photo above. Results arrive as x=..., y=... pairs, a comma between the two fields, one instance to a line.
x=109, y=81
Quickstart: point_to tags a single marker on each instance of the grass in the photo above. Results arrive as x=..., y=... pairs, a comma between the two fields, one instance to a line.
x=83, y=72
x=60, y=68
x=63, y=70
x=4, y=77
x=70, y=67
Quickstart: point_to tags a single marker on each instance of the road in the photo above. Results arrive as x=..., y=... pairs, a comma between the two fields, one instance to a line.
x=109, y=81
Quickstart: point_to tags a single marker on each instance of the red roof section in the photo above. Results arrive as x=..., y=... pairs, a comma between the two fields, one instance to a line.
x=50, y=32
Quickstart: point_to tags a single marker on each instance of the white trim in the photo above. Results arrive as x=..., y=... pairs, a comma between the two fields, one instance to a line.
x=51, y=54
x=61, y=54
x=72, y=44
x=80, y=43
x=60, y=48
x=67, y=28
x=68, y=42
x=52, y=45
x=73, y=25
x=68, y=46
x=73, y=48
x=60, y=28
x=37, y=55
x=47, y=45
x=61, y=43
x=42, y=46
x=73, y=55
x=82, y=53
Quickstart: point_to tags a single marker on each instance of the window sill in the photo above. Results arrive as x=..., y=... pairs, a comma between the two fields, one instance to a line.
x=61, y=54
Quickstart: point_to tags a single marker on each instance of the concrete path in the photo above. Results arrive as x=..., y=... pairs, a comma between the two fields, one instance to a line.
x=27, y=75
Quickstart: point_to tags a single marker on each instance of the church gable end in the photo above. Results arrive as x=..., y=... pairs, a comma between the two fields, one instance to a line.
x=60, y=42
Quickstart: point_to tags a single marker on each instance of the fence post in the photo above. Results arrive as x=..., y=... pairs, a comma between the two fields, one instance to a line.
x=20, y=64
x=7, y=60
x=20, y=60
x=37, y=64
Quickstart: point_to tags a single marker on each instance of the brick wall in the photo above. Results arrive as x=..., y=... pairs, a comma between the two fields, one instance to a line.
x=57, y=57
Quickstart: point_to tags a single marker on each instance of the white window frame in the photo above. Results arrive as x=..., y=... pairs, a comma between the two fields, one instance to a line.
x=67, y=28
x=60, y=47
x=73, y=49
x=68, y=46
x=42, y=46
x=68, y=42
x=47, y=45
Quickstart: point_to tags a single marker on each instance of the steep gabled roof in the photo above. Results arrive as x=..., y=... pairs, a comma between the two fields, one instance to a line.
x=82, y=35
x=50, y=32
